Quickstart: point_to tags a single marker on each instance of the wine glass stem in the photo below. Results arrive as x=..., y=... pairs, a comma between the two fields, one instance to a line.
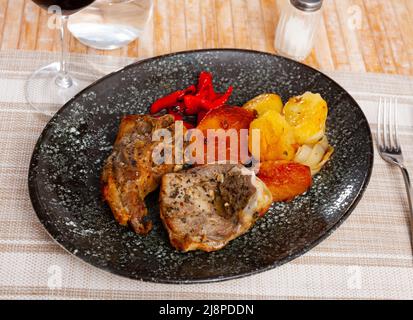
x=63, y=79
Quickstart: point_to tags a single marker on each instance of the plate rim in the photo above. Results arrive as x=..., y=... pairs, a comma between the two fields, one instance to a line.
x=36, y=203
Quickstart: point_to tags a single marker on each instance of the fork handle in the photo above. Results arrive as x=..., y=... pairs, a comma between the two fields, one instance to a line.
x=410, y=198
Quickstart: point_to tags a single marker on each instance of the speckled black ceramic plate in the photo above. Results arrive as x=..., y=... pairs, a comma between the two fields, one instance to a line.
x=68, y=158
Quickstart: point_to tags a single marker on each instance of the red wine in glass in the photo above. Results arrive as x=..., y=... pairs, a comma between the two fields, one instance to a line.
x=67, y=6
x=50, y=87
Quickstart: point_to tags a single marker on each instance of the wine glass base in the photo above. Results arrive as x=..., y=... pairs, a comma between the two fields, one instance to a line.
x=43, y=93
x=104, y=37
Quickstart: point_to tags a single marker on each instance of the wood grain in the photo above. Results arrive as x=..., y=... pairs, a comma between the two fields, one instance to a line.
x=28, y=31
x=367, y=44
x=349, y=33
x=47, y=39
x=194, y=23
x=335, y=36
x=240, y=24
x=209, y=27
x=406, y=28
x=12, y=24
x=354, y=35
x=177, y=25
x=223, y=16
x=374, y=16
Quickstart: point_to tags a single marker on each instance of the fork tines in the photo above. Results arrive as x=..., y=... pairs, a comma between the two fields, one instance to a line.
x=387, y=125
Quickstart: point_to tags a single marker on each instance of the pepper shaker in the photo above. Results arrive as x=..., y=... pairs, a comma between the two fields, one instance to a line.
x=297, y=27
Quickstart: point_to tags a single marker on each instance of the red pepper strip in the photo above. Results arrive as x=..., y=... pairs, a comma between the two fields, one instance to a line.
x=171, y=100
x=207, y=93
x=179, y=107
x=194, y=104
x=212, y=95
x=178, y=117
x=190, y=90
x=201, y=115
x=188, y=125
x=166, y=102
x=221, y=101
x=204, y=81
x=203, y=93
x=206, y=87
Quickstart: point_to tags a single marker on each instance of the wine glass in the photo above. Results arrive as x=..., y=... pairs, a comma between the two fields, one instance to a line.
x=111, y=24
x=53, y=82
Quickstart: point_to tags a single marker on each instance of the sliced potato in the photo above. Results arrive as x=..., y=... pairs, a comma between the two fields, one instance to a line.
x=277, y=141
x=307, y=114
x=265, y=102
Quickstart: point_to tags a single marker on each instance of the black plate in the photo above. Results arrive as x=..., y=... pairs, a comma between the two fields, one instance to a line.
x=68, y=158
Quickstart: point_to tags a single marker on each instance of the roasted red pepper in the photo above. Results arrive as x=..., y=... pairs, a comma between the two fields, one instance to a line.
x=166, y=102
x=171, y=100
x=201, y=115
x=178, y=117
x=194, y=104
x=180, y=107
x=190, y=90
x=194, y=100
x=221, y=101
x=205, y=80
x=204, y=85
x=205, y=88
x=188, y=125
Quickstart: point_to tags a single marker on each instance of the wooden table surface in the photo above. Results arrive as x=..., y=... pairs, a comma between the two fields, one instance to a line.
x=355, y=35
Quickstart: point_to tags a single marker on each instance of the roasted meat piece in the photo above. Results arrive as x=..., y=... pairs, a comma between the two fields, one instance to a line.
x=206, y=207
x=130, y=173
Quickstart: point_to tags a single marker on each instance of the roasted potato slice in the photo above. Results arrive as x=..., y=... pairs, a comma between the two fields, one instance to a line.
x=286, y=180
x=277, y=140
x=263, y=103
x=307, y=114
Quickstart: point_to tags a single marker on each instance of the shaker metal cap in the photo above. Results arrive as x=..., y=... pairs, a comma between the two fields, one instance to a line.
x=307, y=5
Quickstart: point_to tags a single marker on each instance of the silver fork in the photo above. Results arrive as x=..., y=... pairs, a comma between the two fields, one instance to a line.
x=389, y=146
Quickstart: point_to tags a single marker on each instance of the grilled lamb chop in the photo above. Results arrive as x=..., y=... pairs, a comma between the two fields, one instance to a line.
x=206, y=207
x=130, y=174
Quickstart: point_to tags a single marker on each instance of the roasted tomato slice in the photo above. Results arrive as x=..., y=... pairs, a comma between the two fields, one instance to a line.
x=229, y=121
x=286, y=180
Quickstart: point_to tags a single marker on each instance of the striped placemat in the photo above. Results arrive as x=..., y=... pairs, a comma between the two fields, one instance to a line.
x=369, y=256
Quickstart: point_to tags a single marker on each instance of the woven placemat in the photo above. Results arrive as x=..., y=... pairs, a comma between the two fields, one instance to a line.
x=369, y=256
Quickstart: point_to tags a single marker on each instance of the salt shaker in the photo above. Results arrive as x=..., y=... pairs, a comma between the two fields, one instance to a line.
x=297, y=27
